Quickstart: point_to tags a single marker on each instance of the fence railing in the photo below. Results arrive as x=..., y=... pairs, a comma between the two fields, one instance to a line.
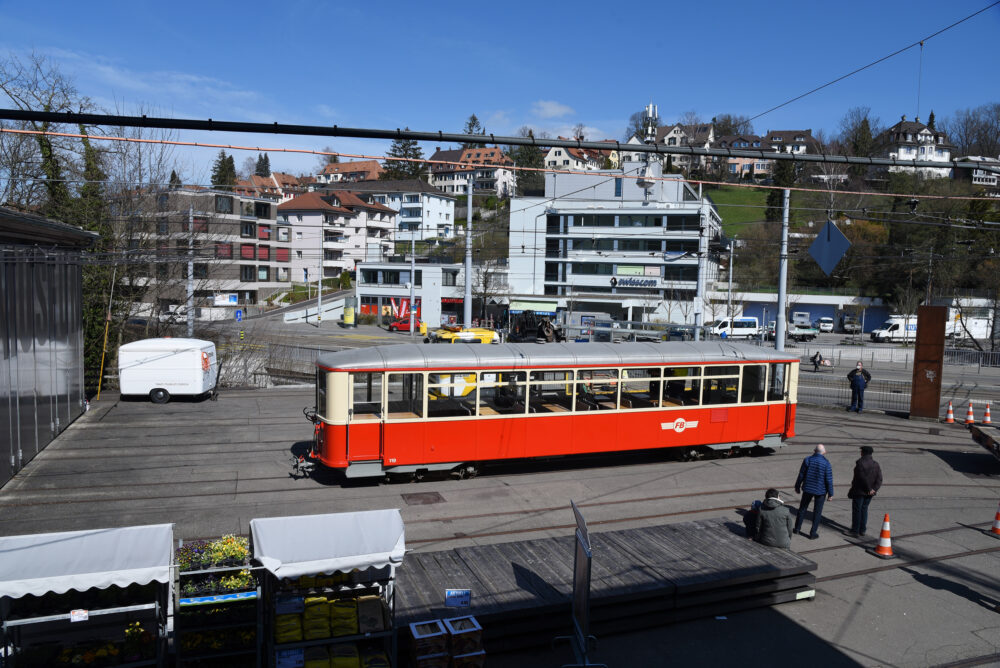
x=884, y=395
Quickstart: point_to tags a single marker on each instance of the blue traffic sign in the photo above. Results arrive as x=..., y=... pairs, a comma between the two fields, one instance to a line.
x=239, y=315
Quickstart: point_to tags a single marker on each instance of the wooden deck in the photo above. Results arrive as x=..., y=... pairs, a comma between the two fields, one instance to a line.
x=521, y=591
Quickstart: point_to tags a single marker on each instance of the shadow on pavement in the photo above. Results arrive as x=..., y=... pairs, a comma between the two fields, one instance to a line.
x=761, y=637
x=976, y=463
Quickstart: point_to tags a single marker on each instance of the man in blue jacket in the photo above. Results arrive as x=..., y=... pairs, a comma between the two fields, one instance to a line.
x=815, y=481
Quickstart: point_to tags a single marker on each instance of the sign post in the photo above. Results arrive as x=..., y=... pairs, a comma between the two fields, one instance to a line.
x=581, y=640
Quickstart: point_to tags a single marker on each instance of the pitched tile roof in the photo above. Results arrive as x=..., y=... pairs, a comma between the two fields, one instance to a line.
x=283, y=179
x=310, y=202
x=369, y=168
x=394, y=186
x=349, y=199
x=476, y=157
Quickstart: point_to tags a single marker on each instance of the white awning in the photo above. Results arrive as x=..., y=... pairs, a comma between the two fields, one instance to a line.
x=290, y=547
x=57, y=562
x=539, y=307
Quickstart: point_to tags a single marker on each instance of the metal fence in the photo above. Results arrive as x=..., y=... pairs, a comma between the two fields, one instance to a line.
x=883, y=395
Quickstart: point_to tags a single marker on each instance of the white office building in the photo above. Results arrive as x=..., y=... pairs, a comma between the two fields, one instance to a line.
x=383, y=288
x=602, y=242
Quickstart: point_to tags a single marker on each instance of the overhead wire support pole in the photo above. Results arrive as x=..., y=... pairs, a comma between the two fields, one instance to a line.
x=467, y=306
x=113, y=120
x=190, y=274
x=781, y=317
x=413, y=276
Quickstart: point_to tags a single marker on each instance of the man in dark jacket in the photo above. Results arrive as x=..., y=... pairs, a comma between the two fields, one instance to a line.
x=815, y=482
x=859, y=379
x=866, y=482
x=774, y=522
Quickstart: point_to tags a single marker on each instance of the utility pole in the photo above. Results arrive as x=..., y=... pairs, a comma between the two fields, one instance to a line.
x=467, y=310
x=319, y=282
x=413, y=276
x=190, y=281
x=781, y=318
x=729, y=307
x=699, y=299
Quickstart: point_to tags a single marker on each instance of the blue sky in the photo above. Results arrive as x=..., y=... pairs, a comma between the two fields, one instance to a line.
x=429, y=65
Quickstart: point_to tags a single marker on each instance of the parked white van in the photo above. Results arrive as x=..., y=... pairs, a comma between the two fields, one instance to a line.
x=736, y=328
x=161, y=368
x=896, y=328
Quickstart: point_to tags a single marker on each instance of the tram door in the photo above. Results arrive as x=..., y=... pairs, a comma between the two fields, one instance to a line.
x=777, y=391
x=365, y=419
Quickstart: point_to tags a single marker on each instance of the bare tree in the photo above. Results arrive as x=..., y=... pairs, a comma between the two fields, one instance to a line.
x=976, y=131
x=690, y=117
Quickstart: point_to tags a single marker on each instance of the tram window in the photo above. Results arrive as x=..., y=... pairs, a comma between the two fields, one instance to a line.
x=550, y=392
x=321, y=391
x=776, y=382
x=640, y=388
x=596, y=389
x=367, y=394
x=753, y=388
x=451, y=394
x=681, y=392
x=721, y=390
x=722, y=371
x=682, y=371
x=405, y=395
x=502, y=393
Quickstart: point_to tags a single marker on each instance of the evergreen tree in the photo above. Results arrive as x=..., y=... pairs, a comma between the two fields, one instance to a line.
x=175, y=181
x=263, y=167
x=408, y=165
x=930, y=121
x=473, y=127
x=784, y=177
x=224, y=172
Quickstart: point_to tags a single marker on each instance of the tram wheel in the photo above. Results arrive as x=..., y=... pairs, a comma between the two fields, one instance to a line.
x=466, y=471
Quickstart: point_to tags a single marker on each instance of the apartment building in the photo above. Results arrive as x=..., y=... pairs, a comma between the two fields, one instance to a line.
x=605, y=243
x=423, y=211
x=357, y=170
x=241, y=254
x=346, y=227
x=489, y=170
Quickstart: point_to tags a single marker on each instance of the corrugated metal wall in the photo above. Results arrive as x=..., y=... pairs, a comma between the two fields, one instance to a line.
x=41, y=377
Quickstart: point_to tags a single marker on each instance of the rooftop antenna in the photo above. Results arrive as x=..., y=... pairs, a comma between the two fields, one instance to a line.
x=645, y=181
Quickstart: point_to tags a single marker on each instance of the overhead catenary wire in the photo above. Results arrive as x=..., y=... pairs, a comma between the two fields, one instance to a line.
x=919, y=42
x=76, y=118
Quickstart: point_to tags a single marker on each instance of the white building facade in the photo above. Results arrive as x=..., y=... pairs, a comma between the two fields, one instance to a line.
x=352, y=231
x=423, y=211
x=489, y=170
x=383, y=288
x=601, y=242
x=912, y=140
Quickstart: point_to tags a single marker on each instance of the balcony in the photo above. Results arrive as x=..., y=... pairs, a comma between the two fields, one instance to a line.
x=340, y=243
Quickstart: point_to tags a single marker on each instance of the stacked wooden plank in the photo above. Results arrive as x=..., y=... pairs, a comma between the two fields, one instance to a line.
x=521, y=591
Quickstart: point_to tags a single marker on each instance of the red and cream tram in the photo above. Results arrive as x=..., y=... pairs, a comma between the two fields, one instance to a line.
x=413, y=408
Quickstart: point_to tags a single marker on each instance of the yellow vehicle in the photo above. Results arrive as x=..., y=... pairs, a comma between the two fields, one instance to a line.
x=460, y=335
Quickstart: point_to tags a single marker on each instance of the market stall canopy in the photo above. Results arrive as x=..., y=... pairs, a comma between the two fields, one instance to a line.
x=57, y=562
x=290, y=547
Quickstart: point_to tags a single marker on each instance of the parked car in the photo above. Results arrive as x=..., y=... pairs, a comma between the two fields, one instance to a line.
x=825, y=324
x=850, y=325
x=403, y=325
x=769, y=330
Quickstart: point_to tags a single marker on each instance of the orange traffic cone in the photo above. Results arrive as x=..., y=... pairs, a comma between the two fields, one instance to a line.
x=995, y=531
x=950, y=417
x=969, y=417
x=986, y=417
x=884, y=548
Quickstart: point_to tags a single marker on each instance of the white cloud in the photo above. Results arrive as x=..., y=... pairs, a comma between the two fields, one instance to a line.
x=550, y=109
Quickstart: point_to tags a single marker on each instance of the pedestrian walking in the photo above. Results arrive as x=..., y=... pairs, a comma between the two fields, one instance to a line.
x=774, y=522
x=859, y=378
x=815, y=483
x=864, y=485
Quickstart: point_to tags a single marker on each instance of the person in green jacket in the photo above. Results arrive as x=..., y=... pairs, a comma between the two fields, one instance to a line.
x=774, y=523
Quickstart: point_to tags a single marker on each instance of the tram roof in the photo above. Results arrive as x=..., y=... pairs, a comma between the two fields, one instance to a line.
x=521, y=355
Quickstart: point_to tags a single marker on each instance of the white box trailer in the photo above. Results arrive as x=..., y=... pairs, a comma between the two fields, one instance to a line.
x=896, y=328
x=161, y=368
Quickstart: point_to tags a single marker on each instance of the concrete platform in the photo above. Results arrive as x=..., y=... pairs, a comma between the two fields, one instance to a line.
x=210, y=467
